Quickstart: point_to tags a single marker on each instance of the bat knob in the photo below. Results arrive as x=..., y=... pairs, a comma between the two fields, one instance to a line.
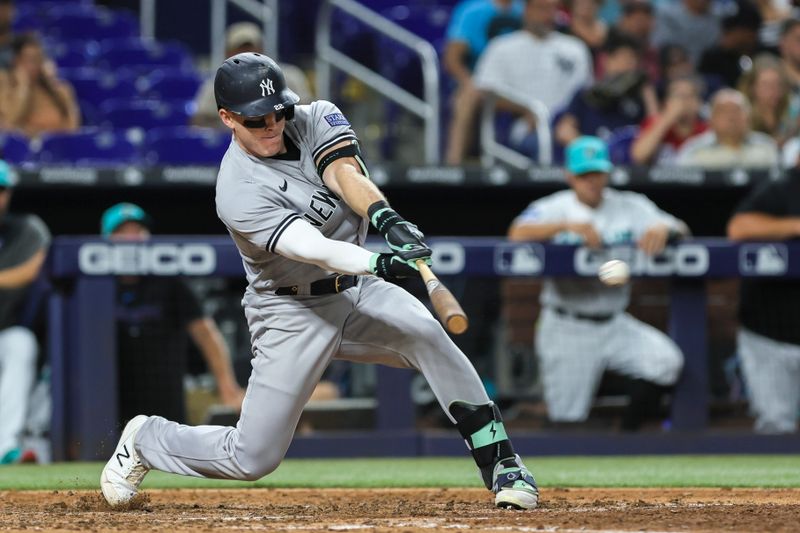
x=457, y=324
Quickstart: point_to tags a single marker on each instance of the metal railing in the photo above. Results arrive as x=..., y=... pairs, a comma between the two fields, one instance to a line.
x=328, y=57
x=491, y=149
x=266, y=11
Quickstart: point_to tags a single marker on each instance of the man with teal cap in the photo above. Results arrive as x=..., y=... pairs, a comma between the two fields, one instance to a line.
x=154, y=314
x=583, y=328
x=116, y=217
x=23, y=246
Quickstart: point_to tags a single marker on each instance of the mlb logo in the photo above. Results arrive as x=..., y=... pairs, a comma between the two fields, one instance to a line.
x=519, y=259
x=763, y=259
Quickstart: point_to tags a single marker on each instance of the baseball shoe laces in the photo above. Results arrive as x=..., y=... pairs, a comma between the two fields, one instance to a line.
x=124, y=472
x=514, y=485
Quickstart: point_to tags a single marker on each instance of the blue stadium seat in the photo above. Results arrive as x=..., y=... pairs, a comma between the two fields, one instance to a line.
x=185, y=146
x=72, y=54
x=91, y=146
x=101, y=24
x=146, y=55
x=145, y=114
x=619, y=144
x=428, y=22
x=96, y=86
x=14, y=148
x=170, y=85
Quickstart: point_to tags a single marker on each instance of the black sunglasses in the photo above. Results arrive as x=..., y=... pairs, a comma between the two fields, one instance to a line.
x=261, y=122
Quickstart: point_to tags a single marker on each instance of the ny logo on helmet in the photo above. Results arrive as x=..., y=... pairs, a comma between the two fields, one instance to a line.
x=266, y=87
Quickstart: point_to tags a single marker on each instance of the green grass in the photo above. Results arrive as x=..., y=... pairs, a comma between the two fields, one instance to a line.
x=639, y=471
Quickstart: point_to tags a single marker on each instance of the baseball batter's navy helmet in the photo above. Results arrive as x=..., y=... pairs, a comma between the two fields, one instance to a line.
x=253, y=85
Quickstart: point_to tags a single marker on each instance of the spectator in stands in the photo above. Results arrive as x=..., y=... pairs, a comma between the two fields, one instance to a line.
x=473, y=25
x=769, y=333
x=729, y=142
x=773, y=13
x=637, y=21
x=32, y=98
x=690, y=23
x=674, y=62
x=239, y=38
x=767, y=88
x=7, y=13
x=534, y=63
x=154, y=314
x=622, y=98
x=585, y=23
x=733, y=53
x=661, y=136
x=790, y=58
x=25, y=240
x=583, y=328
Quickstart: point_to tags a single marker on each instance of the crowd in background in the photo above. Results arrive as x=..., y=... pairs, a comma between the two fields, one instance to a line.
x=702, y=83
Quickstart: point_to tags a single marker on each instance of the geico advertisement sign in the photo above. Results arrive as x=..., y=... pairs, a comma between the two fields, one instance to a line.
x=99, y=259
x=682, y=260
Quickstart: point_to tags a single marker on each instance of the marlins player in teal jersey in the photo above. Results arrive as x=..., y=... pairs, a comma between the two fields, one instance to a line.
x=296, y=198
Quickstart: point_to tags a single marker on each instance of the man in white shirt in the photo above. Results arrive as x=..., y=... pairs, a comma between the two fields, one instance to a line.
x=583, y=328
x=729, y=143
x=535, y=62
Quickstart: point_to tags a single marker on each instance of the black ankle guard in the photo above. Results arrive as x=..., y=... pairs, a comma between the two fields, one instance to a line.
x=483, y=430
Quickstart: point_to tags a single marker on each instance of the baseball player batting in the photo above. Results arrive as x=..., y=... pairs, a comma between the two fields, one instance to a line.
x=296, y=198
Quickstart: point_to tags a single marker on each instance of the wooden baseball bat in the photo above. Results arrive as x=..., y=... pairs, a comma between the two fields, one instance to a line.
x=444, y=303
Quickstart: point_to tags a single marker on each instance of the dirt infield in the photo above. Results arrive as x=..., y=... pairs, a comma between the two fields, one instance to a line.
x=407, y=510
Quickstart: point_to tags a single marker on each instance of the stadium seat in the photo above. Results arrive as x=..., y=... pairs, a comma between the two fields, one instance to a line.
x=72, y=54
x=170, y=85
x=88, y=147
x=145, y=114
x=144, y=54
x=185, y=146
x=96, y=86
x=14, y=148
x=101, y=24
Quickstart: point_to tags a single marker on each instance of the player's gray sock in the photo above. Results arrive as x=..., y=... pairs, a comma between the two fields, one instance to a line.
x=483, y=430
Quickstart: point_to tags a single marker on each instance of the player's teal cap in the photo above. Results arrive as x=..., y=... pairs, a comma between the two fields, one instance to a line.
x=588, y=154
x=7, y=177
x=118, y=214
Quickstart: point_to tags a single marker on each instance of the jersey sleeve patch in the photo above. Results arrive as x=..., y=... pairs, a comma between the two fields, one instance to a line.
x=336, y=119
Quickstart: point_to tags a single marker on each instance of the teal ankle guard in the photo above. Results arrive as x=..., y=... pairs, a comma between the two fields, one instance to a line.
x=483, y=430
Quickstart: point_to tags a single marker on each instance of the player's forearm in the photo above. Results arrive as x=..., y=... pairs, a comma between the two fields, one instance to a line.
x=525, y=231
x=209, y=340
x=356, y=190
x=302, y=242
x=760, y=226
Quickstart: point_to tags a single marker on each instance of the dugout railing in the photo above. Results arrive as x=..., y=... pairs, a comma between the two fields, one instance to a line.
x=81, y=343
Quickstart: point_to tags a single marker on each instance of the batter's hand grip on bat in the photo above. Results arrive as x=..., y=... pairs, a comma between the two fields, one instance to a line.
x=444, y=303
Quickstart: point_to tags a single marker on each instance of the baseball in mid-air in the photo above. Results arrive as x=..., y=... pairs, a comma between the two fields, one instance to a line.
x=614, y=272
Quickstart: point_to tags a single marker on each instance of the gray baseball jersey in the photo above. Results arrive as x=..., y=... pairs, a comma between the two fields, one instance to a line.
x=295, y=337
x=258, y=198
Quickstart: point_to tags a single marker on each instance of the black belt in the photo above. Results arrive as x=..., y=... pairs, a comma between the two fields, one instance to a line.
x=321, y=286
x=580, y=316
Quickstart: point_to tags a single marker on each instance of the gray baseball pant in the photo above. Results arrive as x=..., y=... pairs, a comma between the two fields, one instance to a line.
x=294, y=339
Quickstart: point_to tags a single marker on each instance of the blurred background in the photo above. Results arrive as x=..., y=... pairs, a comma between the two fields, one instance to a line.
x=463, y=109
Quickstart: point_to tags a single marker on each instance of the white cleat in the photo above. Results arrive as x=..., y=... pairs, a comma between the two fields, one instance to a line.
x=514, y=486
x=124, y=472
